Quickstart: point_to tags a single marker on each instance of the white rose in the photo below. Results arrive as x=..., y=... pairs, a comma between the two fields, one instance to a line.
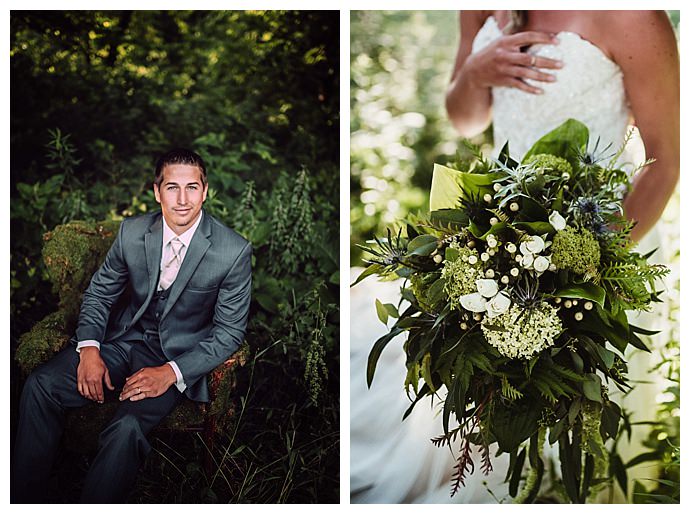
x=534, y=244
x=557, y=221
x=498, y=305
x=473, y=302
x=541, y=264
x=527, y=260
x=487, y=287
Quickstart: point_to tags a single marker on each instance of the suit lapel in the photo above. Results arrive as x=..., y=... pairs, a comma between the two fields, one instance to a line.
x=196, y=251
x=153, y=242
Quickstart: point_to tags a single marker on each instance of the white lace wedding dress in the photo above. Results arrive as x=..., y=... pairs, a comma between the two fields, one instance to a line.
x=393, y=461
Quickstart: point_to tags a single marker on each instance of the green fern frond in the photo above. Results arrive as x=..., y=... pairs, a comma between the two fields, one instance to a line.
x=508, y=390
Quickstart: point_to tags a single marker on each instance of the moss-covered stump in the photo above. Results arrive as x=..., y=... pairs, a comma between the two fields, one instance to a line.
x=45, y=339
x=72, y=253
x=222, y=383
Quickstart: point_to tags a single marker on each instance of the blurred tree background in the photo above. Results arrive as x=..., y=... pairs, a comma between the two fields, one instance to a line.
x=96, y=96
x=400, y=65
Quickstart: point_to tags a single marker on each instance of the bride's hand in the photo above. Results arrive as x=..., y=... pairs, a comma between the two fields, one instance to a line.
x=502, y=63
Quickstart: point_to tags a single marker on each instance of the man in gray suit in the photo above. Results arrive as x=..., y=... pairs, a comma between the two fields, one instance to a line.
x=168, y=305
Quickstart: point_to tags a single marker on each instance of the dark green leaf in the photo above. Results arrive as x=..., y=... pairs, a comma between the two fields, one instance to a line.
x=376, y=350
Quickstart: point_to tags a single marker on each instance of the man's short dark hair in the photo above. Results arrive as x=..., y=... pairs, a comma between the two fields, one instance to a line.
x=179, y=156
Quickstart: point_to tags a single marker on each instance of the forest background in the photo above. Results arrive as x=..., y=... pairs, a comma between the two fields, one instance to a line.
x=96, y=96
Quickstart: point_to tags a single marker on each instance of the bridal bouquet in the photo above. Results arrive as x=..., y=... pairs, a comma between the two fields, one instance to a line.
x=518, y=283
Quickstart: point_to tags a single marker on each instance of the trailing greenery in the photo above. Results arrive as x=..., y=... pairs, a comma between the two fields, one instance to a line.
x=516, y=311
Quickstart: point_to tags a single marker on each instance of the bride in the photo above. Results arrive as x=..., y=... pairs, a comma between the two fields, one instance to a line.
x=526, y=72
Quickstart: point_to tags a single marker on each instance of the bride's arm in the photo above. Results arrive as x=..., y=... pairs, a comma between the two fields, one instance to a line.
x=647, y=52
x=468, y=106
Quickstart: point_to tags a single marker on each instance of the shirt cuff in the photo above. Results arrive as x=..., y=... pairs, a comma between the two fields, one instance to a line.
x=88, y=342
x=181, y=386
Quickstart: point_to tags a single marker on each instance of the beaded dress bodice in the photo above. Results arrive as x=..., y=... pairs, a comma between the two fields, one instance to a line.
x=588, y=88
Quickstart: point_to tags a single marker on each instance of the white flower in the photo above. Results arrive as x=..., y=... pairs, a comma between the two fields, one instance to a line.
x=497, y=305
x=527, y=260
x=473, y=302
x=487, y=287
x=533, y=244
x=557, y=220
x=541, y=264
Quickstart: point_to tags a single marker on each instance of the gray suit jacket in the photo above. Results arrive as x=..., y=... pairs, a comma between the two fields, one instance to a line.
x=205, y=317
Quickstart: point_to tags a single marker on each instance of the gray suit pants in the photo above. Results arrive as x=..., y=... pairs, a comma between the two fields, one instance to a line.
x=122, y=445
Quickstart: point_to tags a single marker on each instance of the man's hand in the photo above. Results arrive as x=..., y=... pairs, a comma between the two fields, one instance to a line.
x=91, y=373
x=148, y=383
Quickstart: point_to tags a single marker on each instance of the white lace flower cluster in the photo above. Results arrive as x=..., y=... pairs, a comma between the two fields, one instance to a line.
x=520, y=334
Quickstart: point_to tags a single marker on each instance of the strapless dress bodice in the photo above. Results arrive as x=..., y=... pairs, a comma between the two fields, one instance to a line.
x=588, y=88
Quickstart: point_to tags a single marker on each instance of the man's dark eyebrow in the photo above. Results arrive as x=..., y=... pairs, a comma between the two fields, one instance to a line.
x=196, y=182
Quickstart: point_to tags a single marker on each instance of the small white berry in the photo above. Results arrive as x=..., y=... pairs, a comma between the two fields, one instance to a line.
x=491, y=252
x=477, y=316
x=514, y=271
x=578, y=316
x=438, y=259
x=493, y=221
x=470, y=244
x=505, y=279
x=511, y=248
x=472, y=259
x=492, y=242
x=489, y=273
x=568, y=304
x=589, y=306
x=575, y=302
x=557, y=299
x=463, y=325
x=488, y=198
x=497, y=187
x=552, y=267
x=518, y=258
x=514, y=207
x=484, y=256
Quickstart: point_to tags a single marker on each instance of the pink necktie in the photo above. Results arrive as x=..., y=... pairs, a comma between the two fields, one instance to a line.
x=171, y=268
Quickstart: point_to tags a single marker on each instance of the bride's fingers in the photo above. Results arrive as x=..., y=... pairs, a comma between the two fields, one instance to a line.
x=530, y=73
x=534, y=61
x=523, y=86
x=531, y=37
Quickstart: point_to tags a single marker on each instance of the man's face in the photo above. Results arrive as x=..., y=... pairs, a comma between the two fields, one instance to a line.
x=181, y=195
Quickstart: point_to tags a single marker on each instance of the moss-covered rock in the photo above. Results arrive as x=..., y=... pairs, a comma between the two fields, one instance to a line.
x=72, y=253
x=45, y=339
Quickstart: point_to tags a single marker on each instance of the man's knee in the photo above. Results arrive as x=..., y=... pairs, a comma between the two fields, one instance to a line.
x=125, y=430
